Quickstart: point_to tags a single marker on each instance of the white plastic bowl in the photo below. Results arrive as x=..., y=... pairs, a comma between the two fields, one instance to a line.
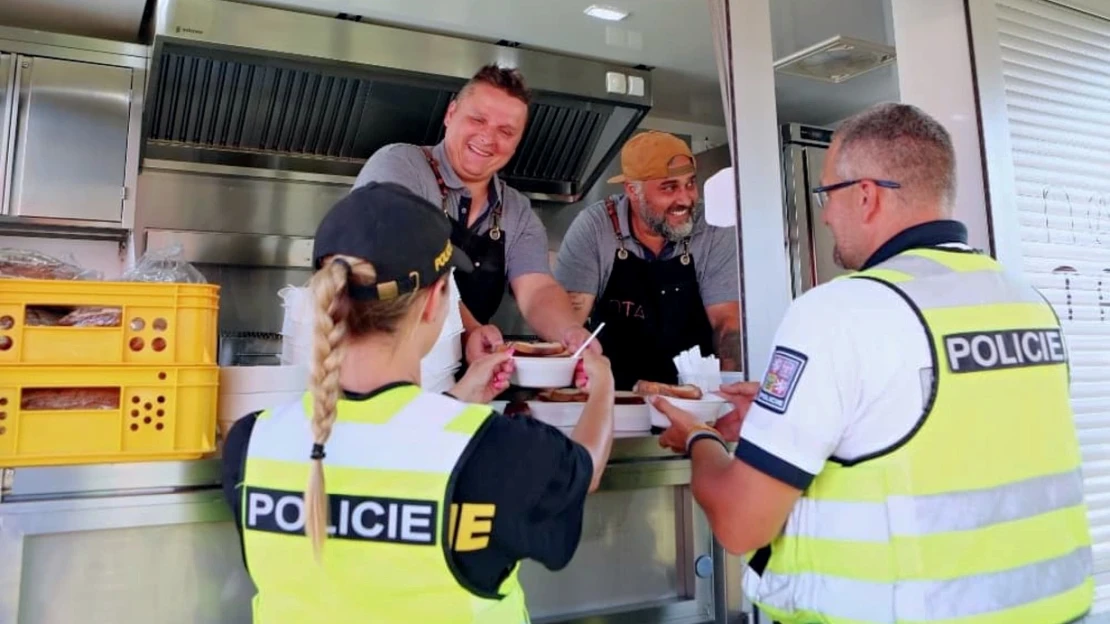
x=543, y=372
x=557, y=414
x=244, y=389
x=707, y=409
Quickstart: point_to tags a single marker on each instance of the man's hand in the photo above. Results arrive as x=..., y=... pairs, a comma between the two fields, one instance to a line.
x=573, y=337
x=682, y=423
x=740, y=394
x=482, y=341
x=547, y=308
x=486, y=378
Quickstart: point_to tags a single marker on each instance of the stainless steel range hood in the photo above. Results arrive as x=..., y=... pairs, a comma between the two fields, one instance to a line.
x=119, y=20
x=252, y=86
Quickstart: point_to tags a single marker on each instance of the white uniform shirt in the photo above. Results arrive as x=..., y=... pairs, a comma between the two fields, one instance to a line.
x=849, y=376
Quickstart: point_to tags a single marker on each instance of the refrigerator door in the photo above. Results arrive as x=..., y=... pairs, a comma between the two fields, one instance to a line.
x=809, y=242
x=823, y=244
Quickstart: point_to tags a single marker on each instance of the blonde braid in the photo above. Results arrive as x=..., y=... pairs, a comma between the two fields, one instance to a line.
x=328, y=285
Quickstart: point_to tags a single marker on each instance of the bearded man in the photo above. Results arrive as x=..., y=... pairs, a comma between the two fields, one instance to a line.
x=647, y=264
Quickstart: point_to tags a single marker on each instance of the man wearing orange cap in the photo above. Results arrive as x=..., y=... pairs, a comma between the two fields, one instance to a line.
x=647, y=264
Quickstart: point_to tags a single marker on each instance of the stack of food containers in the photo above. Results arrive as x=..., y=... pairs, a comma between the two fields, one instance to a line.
x=437, y=369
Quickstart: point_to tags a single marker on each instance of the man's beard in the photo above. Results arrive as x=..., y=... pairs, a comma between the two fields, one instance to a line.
x=660, y=225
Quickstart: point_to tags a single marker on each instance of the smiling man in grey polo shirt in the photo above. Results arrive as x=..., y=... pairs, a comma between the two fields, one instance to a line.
x=503, y=236
x=647, y=264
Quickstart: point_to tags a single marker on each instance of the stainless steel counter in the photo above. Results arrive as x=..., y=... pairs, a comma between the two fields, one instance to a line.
x=636, y=460
x=155, y=542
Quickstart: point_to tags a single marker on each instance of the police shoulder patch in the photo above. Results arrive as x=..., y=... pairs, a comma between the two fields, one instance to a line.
x=782, y=377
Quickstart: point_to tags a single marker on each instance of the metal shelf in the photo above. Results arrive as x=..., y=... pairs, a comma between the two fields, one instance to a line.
x=41, y=227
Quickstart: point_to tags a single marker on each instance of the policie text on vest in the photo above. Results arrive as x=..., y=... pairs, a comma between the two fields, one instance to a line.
x=374, y=519
x=1015, y=348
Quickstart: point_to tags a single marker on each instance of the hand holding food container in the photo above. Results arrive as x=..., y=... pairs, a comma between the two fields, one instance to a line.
x=702, y=407
x=738, y=396
x=578, y=338
x=547, y=364
x=585, y=413
x=486, y=378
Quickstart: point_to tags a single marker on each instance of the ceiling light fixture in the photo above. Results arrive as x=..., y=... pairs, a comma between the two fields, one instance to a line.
x=605, y=12
x=837, y=59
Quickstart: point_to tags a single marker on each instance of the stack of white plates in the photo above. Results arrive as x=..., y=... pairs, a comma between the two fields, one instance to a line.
x=296, y=326
x=245, y=389
x=453, y=324
x=626, y=417
x=438, y=367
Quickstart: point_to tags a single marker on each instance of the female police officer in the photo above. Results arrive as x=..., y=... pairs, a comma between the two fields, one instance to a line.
x=430, y=503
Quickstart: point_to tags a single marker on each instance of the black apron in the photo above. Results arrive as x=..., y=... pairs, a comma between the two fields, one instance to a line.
x=483, y=289
x=652, y=312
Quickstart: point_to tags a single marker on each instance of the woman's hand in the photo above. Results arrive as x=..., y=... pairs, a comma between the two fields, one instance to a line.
x=593, y=372
x=485, y=378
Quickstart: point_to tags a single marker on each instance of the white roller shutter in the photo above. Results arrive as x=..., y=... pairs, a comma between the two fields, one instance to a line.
x=1056, y=65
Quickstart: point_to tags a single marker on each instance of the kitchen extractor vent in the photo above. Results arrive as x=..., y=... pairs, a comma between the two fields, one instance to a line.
x=837, y=59
x=208, y=102
x=241, y=110
x=238, y=84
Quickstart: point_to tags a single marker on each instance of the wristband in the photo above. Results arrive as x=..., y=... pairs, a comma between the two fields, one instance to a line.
x=701, y=432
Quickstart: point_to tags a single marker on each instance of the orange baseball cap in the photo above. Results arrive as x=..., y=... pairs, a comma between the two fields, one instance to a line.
x=654, y=155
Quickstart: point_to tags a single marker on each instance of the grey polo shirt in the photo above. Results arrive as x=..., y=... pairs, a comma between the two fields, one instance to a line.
x=525, y=236
x=589, y=249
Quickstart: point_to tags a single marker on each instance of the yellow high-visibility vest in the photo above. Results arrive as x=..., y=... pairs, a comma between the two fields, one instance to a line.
x=387, y=559
x=977, y=516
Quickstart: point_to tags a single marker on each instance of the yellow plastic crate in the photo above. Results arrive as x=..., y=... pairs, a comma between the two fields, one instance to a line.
x=163, y=413
x=160, y=324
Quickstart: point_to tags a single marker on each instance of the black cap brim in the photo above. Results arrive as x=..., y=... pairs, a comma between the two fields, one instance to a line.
x=460, y=261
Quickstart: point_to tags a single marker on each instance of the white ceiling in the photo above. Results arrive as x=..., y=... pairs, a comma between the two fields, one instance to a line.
x=674, y=36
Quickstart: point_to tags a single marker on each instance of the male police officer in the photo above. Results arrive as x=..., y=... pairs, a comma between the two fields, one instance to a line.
x=493, y=223
x=920, y=404
x=647, y=264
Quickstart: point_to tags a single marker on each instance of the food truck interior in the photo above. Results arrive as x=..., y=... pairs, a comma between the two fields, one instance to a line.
x=233, y=126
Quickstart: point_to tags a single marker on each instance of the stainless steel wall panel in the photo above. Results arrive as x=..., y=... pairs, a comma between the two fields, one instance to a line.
x=70, y=150
x=177, y=200
x=8, y=90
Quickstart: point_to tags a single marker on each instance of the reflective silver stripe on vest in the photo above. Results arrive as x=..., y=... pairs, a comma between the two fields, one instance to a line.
x=908, y=516
x=936, y=285
x=919, y=601
x=916, y=266
x=413, y=440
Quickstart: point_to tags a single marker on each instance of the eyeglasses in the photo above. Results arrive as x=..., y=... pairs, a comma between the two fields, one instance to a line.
x=822, y=192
